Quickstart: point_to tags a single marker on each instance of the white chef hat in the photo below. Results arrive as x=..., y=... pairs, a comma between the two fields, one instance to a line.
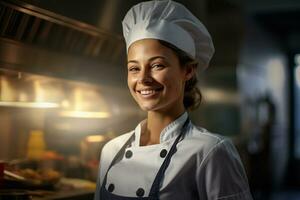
x=171, y=22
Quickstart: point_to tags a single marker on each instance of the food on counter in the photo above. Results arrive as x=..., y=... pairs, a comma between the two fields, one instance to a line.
x=42, y=175
x=78, y=183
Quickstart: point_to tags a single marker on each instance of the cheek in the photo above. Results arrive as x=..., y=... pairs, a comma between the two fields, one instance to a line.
x=173, y=82
x=130, y=82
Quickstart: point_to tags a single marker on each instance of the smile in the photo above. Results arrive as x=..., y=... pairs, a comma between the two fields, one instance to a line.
x=148, y=92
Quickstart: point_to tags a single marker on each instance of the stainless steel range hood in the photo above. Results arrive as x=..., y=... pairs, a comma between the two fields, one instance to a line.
x=39, y=41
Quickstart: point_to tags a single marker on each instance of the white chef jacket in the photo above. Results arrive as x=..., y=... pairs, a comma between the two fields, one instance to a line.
x=205, y=166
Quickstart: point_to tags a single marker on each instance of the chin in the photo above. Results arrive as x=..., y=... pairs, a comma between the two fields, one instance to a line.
x=152, y=107
x=147, y=107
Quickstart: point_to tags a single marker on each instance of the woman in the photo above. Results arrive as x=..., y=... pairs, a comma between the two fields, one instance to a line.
x=167, y=157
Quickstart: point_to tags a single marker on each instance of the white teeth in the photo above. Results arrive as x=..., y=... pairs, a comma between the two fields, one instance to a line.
x=147, y=92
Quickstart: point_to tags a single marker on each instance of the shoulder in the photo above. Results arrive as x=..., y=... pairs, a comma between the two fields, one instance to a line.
x=215, y=148
x=208, y=145
x=200, y=133
x=203, y=140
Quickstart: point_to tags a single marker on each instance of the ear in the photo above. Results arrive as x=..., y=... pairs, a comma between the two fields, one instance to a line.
x=190, y=70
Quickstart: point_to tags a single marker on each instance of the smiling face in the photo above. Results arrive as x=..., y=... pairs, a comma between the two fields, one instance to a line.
x=155, y=78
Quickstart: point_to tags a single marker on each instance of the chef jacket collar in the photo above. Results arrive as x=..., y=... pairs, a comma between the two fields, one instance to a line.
x=169, y=132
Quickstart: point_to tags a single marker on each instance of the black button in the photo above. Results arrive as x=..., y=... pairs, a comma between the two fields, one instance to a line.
x=111, y=187
x=128, y=154
x=140, y=192
x=163, y=153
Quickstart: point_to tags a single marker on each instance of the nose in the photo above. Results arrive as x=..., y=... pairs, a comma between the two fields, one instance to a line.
x=145, y=77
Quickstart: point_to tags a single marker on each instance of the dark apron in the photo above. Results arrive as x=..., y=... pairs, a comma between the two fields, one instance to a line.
x=154, y=191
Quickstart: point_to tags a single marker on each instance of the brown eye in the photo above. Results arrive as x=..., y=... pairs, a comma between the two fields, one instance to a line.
x=133, y=69
x=157, y=66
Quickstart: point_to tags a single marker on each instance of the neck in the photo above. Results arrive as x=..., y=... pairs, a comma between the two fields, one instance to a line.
x=156, y=122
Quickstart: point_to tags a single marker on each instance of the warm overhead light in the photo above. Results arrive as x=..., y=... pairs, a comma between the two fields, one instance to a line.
x=29, y=104
x=81, y=114
x=95, y=138
x=65, y=103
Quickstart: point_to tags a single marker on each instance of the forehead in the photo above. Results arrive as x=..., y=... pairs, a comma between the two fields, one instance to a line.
x=148, y=48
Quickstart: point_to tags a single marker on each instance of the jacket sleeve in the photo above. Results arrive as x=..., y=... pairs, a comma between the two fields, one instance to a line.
x=221, y=175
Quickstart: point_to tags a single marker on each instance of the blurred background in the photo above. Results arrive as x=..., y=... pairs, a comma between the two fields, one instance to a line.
x=63, y=91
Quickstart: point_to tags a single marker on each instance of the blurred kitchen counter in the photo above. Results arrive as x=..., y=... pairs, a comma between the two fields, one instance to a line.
x=81, y=194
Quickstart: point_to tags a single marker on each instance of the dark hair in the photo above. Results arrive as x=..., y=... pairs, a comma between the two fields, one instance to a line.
x=192, y=95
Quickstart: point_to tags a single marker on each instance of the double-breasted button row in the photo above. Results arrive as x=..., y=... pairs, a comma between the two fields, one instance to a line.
x=140, y=192
x=162, y=154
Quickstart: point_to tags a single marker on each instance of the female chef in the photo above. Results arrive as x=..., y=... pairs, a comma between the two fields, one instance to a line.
x=166, y=156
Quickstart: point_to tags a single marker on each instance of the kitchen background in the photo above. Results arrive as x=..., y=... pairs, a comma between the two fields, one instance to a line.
x=63, y=90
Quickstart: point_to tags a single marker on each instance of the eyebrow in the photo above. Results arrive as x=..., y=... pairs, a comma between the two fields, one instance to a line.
x=151, y=59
